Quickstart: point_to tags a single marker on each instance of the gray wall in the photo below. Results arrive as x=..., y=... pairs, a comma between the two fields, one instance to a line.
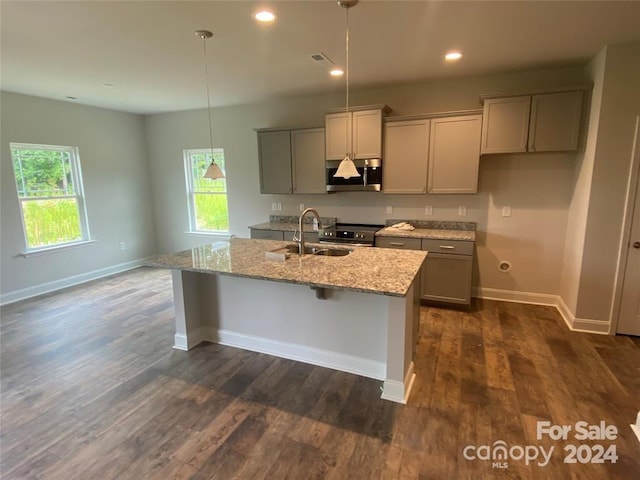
x=118, y=195
x=562, y=204
x=620, y=104
x=537, y=187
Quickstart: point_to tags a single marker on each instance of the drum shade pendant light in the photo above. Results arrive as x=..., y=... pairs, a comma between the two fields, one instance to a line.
x=213, y=172
x=346, y=168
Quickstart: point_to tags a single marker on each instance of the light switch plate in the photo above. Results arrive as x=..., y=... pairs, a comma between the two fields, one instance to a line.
x=274, y=206
x=279, y=207
x=462, y=210
x=506, y=211
x=428, y=210
x=302, y=207
x=389, y=209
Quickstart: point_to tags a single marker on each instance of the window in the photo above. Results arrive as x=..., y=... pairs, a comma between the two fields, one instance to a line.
x=49, y=184
x=208, y=208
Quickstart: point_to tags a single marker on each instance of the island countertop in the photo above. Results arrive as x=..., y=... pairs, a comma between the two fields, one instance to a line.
x=379, y=271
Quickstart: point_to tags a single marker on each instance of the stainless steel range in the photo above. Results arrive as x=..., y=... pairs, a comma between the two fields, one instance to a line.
x=354, y=234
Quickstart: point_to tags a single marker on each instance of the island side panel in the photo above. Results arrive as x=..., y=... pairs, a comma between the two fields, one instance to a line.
x=403, y=316
x=346, y=331
x=187, y=301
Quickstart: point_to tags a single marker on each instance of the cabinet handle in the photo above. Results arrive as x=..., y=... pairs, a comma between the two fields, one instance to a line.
x=397, y=244
x=636, y=244
x=447, y=247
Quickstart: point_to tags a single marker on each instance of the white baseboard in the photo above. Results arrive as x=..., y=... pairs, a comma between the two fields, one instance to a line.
x=635, y=427
x=300, y=353
x=515, y=296
x=574, y=324
x=48, y=287
x=399, y=391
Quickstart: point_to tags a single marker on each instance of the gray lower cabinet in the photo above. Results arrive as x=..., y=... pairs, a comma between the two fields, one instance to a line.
x=267, y=234
x=286, y=235
x=446, y=278
x=311, y=237
x=446, y=273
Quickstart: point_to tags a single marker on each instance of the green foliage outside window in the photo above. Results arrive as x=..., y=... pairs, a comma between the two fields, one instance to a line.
x=210, y=207
x=48, y=195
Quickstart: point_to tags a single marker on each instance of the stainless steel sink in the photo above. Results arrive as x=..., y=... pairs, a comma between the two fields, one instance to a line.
x=326, y=251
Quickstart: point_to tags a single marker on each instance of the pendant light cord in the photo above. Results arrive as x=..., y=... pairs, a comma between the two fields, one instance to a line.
x=206, y=74
x=346, y=42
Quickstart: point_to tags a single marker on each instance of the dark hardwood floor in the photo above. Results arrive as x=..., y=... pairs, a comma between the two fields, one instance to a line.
x=91, y=389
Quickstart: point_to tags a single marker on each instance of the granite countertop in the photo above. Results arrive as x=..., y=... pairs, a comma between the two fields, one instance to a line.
x=363, y=270
x=289, y=223
x=465, y=231
x=435, y=234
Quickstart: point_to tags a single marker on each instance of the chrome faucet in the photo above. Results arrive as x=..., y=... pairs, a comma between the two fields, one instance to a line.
x=300, y=239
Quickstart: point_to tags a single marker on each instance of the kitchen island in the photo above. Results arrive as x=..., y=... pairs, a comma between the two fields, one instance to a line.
x=357, y=313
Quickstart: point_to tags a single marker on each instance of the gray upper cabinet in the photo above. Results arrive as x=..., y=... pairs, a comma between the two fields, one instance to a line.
x=307, y=151
x=555, y=122
x=548, y=122
x=358, y=133
x=454, y=154
x=440, y=155
x=292, y=161
x=406, y=149
x=505, y=125
x=274, y=154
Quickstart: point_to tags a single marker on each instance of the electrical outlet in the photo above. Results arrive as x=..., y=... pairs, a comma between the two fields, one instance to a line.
x=506, y=211
x=279, y=207
x=123, y=245
x=389, y=209
x=462, y=210
x=274, y=206
x=428, y=210
x=302, y=207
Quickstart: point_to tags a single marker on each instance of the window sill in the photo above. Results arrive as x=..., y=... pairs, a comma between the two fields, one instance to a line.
x=222, y=235
x=57, y=248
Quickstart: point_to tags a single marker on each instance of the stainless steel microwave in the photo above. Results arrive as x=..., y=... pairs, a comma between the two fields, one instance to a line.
x=370, y=178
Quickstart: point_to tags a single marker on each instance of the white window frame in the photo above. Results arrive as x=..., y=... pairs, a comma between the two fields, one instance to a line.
x=191, y=193
x=76, y=175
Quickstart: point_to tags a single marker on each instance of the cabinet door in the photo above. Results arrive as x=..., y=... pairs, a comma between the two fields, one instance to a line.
x=454, y=154
x=555, y=122
x=274, y=155
x=337, y=135
x=267, y=234
x=447, y=278
x=406, y=147
x=398, y=242
x=505, y=125
x=367, y=134
x=311, y=237
x=307, y=151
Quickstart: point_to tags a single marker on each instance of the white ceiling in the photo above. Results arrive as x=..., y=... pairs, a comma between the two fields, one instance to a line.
x=148, y=50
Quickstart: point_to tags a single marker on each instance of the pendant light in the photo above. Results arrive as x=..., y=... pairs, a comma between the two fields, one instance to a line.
x=213, y=172
x=346, y=168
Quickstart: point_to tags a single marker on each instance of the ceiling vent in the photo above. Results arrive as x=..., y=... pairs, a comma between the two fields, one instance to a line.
x=320, y=58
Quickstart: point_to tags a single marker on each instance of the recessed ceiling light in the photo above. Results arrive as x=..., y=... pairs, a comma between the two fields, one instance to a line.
x=265, y=16
x=336, y=72
x=453, y=56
